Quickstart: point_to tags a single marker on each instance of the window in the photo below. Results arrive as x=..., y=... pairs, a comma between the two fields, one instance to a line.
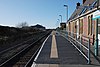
x=81, y=26
x=89, y=25
x=99, y=26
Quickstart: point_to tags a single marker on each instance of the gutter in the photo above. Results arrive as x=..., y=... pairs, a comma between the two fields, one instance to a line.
x=89, y=12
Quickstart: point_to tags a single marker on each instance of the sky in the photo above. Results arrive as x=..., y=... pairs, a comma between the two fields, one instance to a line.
x=43, y=12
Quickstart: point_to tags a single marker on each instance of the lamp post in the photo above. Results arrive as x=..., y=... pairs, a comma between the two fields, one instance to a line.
x=96, y=46
x=58, y=22
x=67, y=11
x=61, y=18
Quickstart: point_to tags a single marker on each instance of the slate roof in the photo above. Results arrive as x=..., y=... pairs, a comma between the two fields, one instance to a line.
x=78, y=11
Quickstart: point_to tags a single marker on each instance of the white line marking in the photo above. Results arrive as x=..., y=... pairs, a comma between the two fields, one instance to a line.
x=34, y=64
x=54, y=52
x=77, y=48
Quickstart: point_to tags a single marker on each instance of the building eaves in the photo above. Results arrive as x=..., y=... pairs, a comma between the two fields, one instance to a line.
x=78, y=11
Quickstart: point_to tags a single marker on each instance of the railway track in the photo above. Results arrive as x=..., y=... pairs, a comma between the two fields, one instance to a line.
x=24, y=56
x=6, y=54
x=32, y=37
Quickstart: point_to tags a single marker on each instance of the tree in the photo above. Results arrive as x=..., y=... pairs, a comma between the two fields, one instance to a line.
x=21, y=25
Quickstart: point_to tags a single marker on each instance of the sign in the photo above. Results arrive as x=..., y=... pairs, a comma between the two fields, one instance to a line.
x=99, y=39
x=96, y=14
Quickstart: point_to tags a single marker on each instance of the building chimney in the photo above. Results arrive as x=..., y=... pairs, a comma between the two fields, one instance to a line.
x=78, y=4
x=84, y=1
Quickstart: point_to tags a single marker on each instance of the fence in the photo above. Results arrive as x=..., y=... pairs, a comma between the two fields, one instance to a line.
x=81, y=42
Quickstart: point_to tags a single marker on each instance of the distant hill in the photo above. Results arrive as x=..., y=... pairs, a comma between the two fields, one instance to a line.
x=9, y=31
x=38, y=26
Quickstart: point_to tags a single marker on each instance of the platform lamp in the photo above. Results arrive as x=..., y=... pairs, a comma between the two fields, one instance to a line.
x=61, y=18
x=96, y=46
x=66, y=12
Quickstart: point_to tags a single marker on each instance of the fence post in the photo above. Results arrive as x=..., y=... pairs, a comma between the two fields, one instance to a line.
x=81, y=42
x=66, y=34
x=76, y=36
x=93, y=40
x=89, y=51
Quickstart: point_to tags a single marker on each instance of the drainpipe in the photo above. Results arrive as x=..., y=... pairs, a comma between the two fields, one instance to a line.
x=96, y=45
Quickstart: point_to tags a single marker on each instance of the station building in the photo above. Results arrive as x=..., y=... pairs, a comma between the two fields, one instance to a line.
x=63, y=26
x=85, y=21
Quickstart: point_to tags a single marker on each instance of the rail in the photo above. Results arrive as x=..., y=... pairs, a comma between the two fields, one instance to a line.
x=14, y=58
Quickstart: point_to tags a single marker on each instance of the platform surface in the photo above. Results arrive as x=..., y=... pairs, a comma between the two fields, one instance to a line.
x=59, y=52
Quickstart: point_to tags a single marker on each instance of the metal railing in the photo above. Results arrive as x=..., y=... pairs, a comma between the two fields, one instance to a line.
x=77, y=41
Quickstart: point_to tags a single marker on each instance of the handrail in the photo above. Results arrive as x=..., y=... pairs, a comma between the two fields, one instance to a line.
x=84, y=37
x=78, y=42
x=81, y=45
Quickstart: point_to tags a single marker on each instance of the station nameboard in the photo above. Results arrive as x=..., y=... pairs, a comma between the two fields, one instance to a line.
x=96, y=14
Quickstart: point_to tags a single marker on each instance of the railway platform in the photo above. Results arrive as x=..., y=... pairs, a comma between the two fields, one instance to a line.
x=56, y=51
